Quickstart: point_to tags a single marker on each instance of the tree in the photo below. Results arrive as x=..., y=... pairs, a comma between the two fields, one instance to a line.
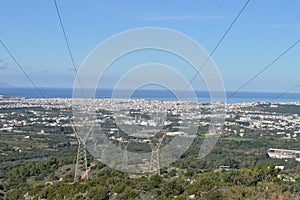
x=98, y=193
x=213, y=195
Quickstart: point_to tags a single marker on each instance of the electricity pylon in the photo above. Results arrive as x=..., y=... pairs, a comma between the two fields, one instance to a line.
x=125, y=153
x=81, y=169
x=154, y=165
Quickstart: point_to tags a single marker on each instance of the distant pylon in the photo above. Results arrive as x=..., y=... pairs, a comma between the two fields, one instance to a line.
x=81, y=169
x=125, y=153
x=154, y=165
x=103, y=148
x=154, y=160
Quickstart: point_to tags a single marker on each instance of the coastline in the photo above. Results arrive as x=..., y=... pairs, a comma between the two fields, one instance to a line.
x=151, y=94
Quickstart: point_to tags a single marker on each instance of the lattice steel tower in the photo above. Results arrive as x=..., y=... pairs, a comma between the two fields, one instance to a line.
x=154, y=165
x=81, y=169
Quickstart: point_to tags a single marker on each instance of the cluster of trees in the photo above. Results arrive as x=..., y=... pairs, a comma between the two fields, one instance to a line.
x=249, y=176
x=260, y=182
x=31, y=173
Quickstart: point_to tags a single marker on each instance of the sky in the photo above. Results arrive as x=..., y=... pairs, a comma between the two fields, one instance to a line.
x=266, y=28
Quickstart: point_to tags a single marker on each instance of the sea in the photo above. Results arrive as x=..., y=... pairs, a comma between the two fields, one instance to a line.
x=151, y=94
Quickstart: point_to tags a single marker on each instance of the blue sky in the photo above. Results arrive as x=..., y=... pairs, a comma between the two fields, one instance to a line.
x=266, y=28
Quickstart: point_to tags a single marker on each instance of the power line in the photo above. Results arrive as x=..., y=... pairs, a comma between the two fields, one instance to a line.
x=65, y=36
x=21, y=68
x=211, y=20
x=68, y=45
x=264, y=69
x=218, y=44
x=81, y=170
x=284, y=93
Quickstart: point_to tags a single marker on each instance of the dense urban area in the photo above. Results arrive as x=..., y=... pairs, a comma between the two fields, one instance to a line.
x=250, y=160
